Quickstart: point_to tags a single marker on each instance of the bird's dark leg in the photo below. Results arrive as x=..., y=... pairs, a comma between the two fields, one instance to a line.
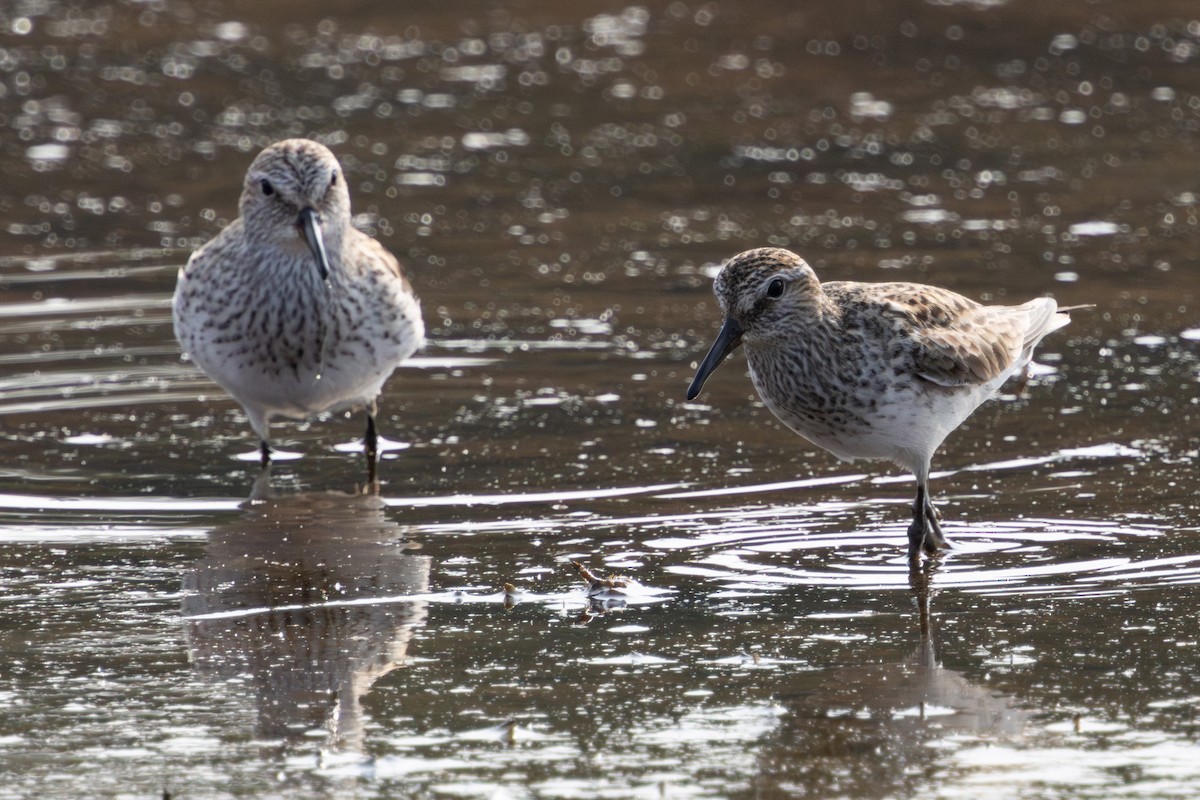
x=934, y=518
x=1022, y=382
x=916, y=531
x=265, y=449
x=925, y=533
x=371, y=446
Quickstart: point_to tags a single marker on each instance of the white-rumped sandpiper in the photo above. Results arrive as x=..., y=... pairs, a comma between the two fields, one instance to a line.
x=291, y=309
x=870, y=370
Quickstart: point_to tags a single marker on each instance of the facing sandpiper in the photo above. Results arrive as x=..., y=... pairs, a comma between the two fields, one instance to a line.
x=292, y=310
x=870, y=370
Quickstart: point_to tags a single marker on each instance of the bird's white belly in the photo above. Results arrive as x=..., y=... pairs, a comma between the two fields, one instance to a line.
x=300, y=389
x=904, y=426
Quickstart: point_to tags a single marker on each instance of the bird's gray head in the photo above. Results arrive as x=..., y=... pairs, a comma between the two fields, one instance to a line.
x=767, y=290
x=295, y=198
x=765, y=294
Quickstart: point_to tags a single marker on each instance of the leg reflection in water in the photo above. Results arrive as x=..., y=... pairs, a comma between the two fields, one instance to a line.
x=873, y=730
x=303, y=597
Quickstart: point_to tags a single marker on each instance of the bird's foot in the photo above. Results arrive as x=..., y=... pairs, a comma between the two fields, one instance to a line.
x=925, y=533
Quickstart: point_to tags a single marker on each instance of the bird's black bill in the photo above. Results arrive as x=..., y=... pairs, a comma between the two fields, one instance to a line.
x=309, y=223
x=728, y=339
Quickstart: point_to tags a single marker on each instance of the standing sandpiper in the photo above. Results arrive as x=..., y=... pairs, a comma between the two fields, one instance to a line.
x=290, y=309
x=870, y=370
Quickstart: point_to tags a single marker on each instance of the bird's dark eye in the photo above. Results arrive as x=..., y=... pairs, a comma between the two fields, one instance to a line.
x=267, y=188
x=775, y=288
x=333, y=179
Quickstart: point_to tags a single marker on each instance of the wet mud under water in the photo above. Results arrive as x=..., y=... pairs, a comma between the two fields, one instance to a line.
x=563, y=182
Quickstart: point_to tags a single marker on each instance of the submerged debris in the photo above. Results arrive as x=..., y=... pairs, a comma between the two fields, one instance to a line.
x=604, y=594
x=598, y=585
x=511, y=595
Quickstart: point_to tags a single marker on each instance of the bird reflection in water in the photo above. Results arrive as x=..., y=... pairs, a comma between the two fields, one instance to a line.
x=302, y=597
x=874, y=730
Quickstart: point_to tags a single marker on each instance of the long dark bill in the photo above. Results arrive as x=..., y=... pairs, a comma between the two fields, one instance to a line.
x=728, y=339
x=309, y=223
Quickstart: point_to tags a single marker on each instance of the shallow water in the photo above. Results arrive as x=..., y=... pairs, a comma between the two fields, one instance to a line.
x=563, y=181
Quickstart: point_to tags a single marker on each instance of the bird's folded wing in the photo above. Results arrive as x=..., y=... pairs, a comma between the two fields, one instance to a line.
x=979, y=346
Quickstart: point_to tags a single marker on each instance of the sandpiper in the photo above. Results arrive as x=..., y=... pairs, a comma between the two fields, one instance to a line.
x=870, y=370
x=292, y=310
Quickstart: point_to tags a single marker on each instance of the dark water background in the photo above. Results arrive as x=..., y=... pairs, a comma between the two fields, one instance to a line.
x=563, y=180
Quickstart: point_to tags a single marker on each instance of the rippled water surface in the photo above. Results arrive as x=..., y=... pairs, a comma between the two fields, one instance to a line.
x=563, y=180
